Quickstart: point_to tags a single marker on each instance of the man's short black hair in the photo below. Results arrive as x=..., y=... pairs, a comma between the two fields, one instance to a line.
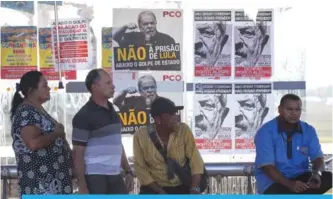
x=92, y=77
x=289, y=96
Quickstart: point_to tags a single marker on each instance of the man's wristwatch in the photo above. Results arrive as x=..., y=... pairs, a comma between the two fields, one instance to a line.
x=195, y=189
x=318, y=173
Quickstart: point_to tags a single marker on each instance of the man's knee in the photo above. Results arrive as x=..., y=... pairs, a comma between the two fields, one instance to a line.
x=97, y=184
x=117, y=185
x=326, y=181
x=277, y=188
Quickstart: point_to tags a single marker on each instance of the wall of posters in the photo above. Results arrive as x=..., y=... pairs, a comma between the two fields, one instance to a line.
x=137, y=90
x=253, y=106
x=148, y=39
x=107, y=48
x=213, y=44
x=253, y=45
x=213, y=117
x=231, y=46
x=18, y=51
x=46, y=61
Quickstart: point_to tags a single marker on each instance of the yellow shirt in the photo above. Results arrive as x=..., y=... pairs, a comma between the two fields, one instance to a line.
x=149, y=165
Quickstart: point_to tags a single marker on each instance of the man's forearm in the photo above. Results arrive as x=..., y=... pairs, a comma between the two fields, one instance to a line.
x=124, y=162
x=80, y=172
x=119, y=33
x=275, y=175
x=118, y=100
x=318, y=165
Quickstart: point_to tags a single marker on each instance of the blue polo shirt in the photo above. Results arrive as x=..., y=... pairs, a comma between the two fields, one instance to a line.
x=271, y=149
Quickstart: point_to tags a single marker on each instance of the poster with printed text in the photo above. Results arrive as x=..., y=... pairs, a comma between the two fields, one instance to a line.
x=46, y=61
x=73, y=44
x=147, y=39
x=253, y=106
x=107, y=48
x=213, y=118
x=213, y=44
x=253, y=45
x=18, y=51
x=136, y=91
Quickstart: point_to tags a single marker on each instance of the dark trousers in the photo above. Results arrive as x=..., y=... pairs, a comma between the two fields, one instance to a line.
x=181, y=189
x=326, y=184
x=106, y=184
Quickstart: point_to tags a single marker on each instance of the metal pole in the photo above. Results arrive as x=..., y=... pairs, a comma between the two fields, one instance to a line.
x=4, y=189
x=249, y=185
x=61, y=85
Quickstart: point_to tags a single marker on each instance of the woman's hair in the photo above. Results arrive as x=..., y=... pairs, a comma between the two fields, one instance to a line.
x=28, y=81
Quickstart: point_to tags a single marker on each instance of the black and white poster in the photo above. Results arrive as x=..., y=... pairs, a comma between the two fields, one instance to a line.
x=253, y=45
x=213, y=43
x=213, y=118
x=147, y=39
x=136, y=91
x=253, y=106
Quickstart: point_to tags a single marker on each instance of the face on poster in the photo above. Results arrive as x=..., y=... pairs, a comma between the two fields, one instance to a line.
x=253, y=106
x=136, y=91
x=213, y=118
x=147, y=39
x=213, y=43
x=253, y=45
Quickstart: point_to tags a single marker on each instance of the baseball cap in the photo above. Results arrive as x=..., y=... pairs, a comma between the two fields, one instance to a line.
x=163, y=105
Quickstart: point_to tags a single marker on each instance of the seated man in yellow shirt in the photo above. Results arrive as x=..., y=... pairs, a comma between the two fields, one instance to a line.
x=177, y=139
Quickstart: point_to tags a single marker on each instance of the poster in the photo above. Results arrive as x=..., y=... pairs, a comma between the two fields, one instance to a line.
x=253, y=45
x=147, y=39
x=52, y=3
x=107, y=48
x=18, y=51
x=23, y=6
x=46, y=61
x=213, y=118
x=73, y=42
x=254, y=106
x=136, y=91
x=213, y=44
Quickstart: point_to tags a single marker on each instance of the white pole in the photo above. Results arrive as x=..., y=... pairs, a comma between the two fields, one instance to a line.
x=61, y=85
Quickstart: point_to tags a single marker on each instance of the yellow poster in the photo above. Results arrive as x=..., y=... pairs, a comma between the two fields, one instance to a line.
x=45, y=48
x=107, y=48
x=18, y=51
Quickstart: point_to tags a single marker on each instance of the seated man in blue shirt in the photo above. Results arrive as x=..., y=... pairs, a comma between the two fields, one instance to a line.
x=283, y=148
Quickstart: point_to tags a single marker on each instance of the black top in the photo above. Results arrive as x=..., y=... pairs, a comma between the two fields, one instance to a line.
x=44, y=171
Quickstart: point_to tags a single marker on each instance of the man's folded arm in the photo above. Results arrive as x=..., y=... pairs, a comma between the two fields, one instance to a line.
x=141, y=169
x=80, y=137
x=315, y=152
x=192, y=153
x=265, y=156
